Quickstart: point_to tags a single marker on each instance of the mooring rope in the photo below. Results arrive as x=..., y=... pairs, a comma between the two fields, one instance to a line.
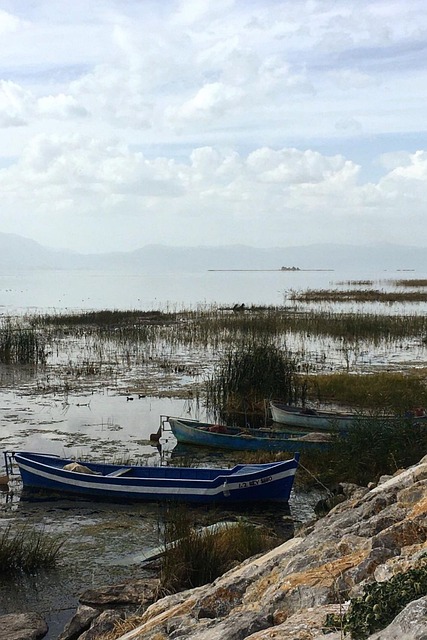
x=328, y=491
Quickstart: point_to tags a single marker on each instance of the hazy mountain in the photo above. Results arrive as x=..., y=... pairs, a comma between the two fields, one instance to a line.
x=17, y=252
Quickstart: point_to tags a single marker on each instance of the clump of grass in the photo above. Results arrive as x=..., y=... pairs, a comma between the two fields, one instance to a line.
x=27, y=550
x=249, y=374
x=392, y=392
x=20, y=344
x=372, y=447
x=195, y=557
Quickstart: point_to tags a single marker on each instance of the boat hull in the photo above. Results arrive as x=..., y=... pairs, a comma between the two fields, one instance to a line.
x=196, y=433
x=243, y=483
x=300, y=418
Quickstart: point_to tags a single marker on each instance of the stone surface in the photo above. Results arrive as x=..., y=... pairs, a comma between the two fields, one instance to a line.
x=79, y=623
x=22, y=626
x=410, y=624
x=102, y=625
x=132, y=592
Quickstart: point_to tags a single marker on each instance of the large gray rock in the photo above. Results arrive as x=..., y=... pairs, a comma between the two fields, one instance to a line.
x=410, y=624
x=22, y=626
x=102, y=625
x=79, y=622
x=132, y=592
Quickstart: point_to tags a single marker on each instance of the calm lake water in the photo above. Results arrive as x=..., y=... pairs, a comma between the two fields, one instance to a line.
x=74, y=290
x=107, y=543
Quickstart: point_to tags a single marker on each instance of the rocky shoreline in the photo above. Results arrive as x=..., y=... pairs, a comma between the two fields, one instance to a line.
x=375, y=533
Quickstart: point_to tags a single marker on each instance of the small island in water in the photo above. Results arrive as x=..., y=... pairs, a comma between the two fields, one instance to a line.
x=290, y=269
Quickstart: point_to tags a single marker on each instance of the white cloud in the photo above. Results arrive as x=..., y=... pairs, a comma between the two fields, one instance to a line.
x=15, y=104
x=261, y=195
x=220, y=113
x=60, y=106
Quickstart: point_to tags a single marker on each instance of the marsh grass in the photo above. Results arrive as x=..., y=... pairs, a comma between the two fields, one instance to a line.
x=393, y=392
x=103, y=318
x=371, y=448
x=415, y=282
x=355, y=295
x=195, y=557
x=27, y=551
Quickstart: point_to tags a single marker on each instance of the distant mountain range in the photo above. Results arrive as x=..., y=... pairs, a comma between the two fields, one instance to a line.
x=17, y=252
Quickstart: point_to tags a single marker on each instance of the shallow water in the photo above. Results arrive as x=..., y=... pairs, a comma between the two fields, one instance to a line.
x=104, y=543
x=107, y=544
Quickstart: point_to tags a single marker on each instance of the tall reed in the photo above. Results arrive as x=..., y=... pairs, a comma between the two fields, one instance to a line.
x=20, y=344
x=246, y=376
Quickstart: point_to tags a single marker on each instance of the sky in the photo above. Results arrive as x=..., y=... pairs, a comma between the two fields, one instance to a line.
x=125, y=123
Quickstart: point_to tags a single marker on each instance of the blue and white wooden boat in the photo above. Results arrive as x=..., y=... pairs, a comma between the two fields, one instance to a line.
x=192, y=432
x=242, y=483
x=321, y=420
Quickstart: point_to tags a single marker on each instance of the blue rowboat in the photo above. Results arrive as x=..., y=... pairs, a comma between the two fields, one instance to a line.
x=188, y=431
x=242, y=483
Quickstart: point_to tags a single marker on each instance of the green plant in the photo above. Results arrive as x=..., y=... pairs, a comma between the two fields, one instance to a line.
x=27, y=550
x=381, y=602
x=20, y=344
x=194, y=556
x=373, y=447
x=251, y=373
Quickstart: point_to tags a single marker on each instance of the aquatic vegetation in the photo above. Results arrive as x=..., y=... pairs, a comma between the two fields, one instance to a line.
x=370, y=449
x=356, y=295
x=386, y=391
x=20, y=344
x=247, y=375
x=414, y=282
x=27, y=550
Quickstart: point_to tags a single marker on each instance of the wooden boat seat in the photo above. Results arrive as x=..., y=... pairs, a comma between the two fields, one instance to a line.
x=117, y=473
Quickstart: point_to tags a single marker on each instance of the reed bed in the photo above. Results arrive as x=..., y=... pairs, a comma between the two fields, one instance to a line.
x=356, y=283
x=414, y=282
x=214, y=329
x=354, y=295
x=246, y=376
x=145, y=348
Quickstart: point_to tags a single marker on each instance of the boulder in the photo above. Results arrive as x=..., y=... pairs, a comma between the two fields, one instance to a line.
x=102, y=625
x=22, y=626
x=137, y=592
x=409, y=624
x=80, y=622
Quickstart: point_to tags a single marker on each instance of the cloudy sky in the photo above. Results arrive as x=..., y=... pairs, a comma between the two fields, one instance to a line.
x=206, y=122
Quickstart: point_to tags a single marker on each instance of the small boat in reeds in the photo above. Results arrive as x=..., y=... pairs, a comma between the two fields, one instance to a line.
x=242, y=483
x=314, y=420
x=216, y=436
